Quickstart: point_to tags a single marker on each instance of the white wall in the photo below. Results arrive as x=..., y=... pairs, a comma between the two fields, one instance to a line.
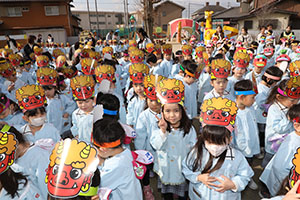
x=58, y=34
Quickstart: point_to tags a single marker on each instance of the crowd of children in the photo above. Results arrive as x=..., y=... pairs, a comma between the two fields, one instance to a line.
x=100, y=120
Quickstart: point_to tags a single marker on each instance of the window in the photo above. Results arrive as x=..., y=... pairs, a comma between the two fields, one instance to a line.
x=14, y=12
x=265, y=22
x=101, y=15
x=248, y=24
x=101, y=22
x=164, y=13
x=93, y=15
x=109, y=23
x=25, y=9
x=51, y=10
x=108, y=15
x=165, y=27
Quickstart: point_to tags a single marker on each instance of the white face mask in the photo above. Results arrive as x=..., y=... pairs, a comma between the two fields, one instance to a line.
x=215, y=150
x=38, y=121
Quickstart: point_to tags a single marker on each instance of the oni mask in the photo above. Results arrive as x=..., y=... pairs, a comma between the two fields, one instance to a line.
x=294, y=68
x=187, y=49
x=88, y=66
x=7, y=70
x=167, y=49
x=218, y=111
x=95, y=55
x=56, y=53
x=30, y=97
x=269, y=52
x=138, y=72
x=170, y=91
x=241, y=59
x=150, y=47
x=85, y=53
x=150, y=83
x=69, y=72
x=6, y=52
x=60, y=61
x=136, y=56
x=157, y=49
x=42, y=61
x=37, y=51
x=8, y=145
x=15, y=59
x=293, y=87
x=199, y=51
x=105, y=72
x=295, y=171
x=82, y=87
x=132, y=43
x=107, y=50
x=71, y=168
x=260, y=61
x=220, y=68
x=46, y=76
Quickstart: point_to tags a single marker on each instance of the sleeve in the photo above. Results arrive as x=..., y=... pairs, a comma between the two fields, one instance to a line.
x=69, y=105
x=141, y=133
x=74, y=128
x=241, y=141
x=243, y=175
x=130, y=110
x=279, y=124
x=186, y=169
x=158, y=139
x=40, y=172
x=192, y=138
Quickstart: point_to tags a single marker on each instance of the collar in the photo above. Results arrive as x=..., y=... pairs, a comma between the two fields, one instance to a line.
x=230, y=153
x=81, y=112
x=281, y=107
x=215, y=94
x=154, y=113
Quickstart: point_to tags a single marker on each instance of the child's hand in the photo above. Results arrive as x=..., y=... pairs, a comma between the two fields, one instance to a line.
x=206, y=179
x=162, y=124
x=11, y=87
x=292, y=194
x=66, y=115
x=224, y=185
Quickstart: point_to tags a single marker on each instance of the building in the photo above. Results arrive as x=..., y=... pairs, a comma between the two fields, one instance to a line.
x=199, y=14
x=33, y=17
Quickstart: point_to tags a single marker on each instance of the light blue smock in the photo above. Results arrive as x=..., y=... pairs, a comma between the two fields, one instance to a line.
x=134, y=109
x=213, y=93
x=204, y=85
x=82, y=125
x=190, y=98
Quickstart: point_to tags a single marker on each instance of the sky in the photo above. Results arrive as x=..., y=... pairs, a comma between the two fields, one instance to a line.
x=118, y=5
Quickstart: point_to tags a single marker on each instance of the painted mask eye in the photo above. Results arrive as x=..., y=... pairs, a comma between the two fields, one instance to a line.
x=294, y=89
x=225, y=114
x=164, y=93
x=26, y=100
x=176, y=92
x=209, y=112
x=38, y=97
x=88, y=88
x=2, y=157
x=75, y=173
x=55, y=169
x=78, y=89
x=150, y=89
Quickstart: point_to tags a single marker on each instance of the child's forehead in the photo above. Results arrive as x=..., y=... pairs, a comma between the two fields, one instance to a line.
x=220, y=80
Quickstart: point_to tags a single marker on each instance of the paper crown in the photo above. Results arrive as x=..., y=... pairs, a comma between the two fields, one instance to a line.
x=187, y=49
x=132, y=48
x=107, y=50
x=42, y=61
x=82, y=87
x=136, y=56
x=138, y=72
x=199, y=51
x=6, y=52
x=150, y=83
x=88, y=66
x=57, y=52
x=241, y=59
x=170, y=91
x=46, y=76
x=71, y=168
x=269, y=51
x=219, y=112
x=150, y=47
x=30, y=97
x=294, y=68
x=295, y=170
x=8, y=146
x=199, y=70
x=15, y=59
x=260, y=61
x=7, y=70
x=105, y=72
x=157, y=49
x=132, y=43
x=220, y=68
x=85, y=53
x=95, y=55
x=60, y=61
x=167, y=49
x=37, y=50
x=69, y=72
x=293, y=88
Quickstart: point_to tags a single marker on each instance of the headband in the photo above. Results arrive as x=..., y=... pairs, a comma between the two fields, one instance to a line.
x=6, y=105
x=271, y=76
x=92, y=192
x=27, y=62
x=296, y=119
x=125, y=54
x=248, y=92
x=108, y=144
x=110, y=112
x=181, y=68
x=189, y=73
x=280, y=91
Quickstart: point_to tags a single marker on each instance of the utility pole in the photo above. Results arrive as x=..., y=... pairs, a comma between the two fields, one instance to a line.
x=125, y=16
x=97, y=19
x=88, y=7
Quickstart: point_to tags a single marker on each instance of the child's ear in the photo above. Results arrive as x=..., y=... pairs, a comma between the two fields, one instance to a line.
x=25, y=118
x=297, y=126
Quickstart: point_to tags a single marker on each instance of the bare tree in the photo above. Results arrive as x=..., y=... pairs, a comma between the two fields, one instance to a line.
x=148, y=15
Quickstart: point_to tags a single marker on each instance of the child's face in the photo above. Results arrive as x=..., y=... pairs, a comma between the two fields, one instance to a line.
x=31, y=118
x=258, y=70
x=209, y=50
x=126, y=58
x=248, y=100
x=297, y=127
x=50, y=92
x=239, y=72
x=86, y=105
x=154, y=105
x=167, y=56
x=286, y=101
x=172, y=114
x=105, y=152
x=187, y=57
x=138, y=88
x=199, y=60
x=188, y=79
x=219, y=84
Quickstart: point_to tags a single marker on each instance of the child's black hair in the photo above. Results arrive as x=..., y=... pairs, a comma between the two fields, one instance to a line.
x=109, y=102
x=4, y=99
x=294, y=112
x=35, y=111
x=191, y=67
x=176, y=59
x=272, y=95
x=243, y=85
x=274, y=71
x=107, y=130
x=48, y=55
x=110, y=62
x=184, y=65
x=212, y=134
x=185, y=121
x=151, y=58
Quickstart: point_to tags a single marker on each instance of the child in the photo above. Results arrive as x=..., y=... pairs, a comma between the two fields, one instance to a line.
x=167, y=63
x=10, y=112
x=82, y=118
x=59, y=107
x=124, y=62
x=246, y=132
x=116, y=168
x=137, y=102
x=151, y=60
x=31, y=99
x=241, y=62
x=255, y=75
x=26, y=73
x=279, y=166
x=220, y=70
x=215, y=169
x=190, y=86
x=146, y=123
x=277, y=125
x=182, y=68
x=269, y=53
x=187, y=51
x=173, y=140
x=270, y=78
x=177, y=61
